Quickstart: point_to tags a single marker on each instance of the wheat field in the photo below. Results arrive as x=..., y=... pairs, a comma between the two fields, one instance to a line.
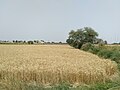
x=52, y=64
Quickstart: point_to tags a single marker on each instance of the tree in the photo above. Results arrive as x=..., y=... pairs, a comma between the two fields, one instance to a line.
x=98, y=41
x=24, y=41
x=81, y=36
x=14, y=41
x=105, y=42
x=30, y=42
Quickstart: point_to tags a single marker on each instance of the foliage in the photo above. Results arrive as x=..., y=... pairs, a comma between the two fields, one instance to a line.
x=87, y=46
x=20, y=85
x=105, y=53
x=30, y=42
x=81, y=36
x=115, y=56
x=94, y=50
x=110, y=54
x=91, y=48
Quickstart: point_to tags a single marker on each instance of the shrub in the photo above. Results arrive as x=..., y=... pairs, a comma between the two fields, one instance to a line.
x=115, y=56
x=30, y=42
x=87, y=46
x=94, y=50
x=105, y=53
x=110, y=54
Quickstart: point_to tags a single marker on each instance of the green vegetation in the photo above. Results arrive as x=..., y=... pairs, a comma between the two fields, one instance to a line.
x=31, y=42
x=103, y=51
x=82, y=36
x=15, y=85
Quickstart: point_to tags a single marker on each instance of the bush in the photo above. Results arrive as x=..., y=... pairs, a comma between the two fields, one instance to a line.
x=115, y=56
x=110, y=54
x=94, y=50
x=102, y=51
x=30, y=42
x=87, y=46
x=105, y=53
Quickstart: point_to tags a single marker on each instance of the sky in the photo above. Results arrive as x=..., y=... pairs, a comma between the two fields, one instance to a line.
x=52, y=20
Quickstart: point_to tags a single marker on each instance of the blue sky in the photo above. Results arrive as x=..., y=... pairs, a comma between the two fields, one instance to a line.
x=51, y=20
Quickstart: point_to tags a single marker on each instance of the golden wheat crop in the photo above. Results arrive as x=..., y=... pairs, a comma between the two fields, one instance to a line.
x=52, y=64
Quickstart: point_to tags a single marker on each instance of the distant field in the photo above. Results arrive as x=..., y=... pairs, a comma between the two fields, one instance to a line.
x=113, y=47
x=52, y=64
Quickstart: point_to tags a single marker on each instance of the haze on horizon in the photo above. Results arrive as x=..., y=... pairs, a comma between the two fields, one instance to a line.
x=52, y=20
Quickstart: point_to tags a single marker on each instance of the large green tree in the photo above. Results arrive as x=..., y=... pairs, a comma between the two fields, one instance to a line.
x=81, y=36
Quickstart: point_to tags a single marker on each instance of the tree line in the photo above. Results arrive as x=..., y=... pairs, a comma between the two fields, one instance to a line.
x=29, y=42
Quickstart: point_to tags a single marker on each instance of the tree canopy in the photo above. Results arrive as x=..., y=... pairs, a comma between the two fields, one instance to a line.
x=81, y=36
